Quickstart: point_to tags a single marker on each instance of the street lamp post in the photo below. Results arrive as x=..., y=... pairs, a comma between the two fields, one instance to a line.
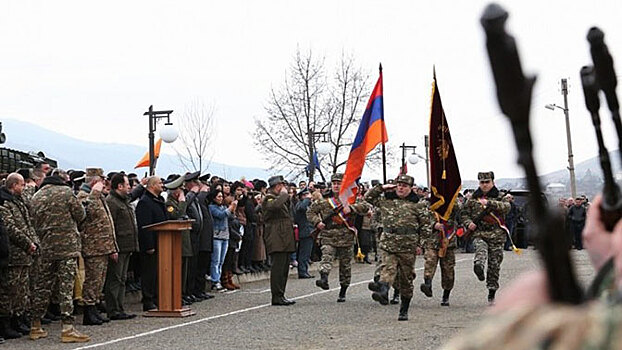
x=414, y=158
x=168, y=133
x=322, y=148
x=552, y=106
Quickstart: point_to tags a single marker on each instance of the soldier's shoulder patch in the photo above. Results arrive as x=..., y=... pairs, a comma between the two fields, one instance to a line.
x=170, y=209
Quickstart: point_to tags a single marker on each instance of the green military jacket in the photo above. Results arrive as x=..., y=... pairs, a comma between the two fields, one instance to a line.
x=487, y=228
x=97, y=229
x=336, y=233
x=176, y=210
x=18, y=227
x=56, y=213
x=404, y=220
x=279, y=224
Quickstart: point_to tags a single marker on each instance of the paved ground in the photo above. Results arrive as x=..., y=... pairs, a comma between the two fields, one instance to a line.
x=244, y=319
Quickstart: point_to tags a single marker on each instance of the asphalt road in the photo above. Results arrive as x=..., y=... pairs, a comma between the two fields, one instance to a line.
x=245, y=320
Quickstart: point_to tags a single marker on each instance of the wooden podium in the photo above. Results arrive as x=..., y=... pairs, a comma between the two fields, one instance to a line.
x=169, y=268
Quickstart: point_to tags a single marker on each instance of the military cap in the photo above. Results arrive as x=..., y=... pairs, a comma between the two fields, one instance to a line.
x=405, y=179
x=259, y=184
x=485, y=175
x=77, y=176
x=26, y=173
x=173, y=181
x=132, y=176
x=95, y=172
x=275, y=180
x=336, y=177
x=205, y=177
x=303, y=191
x=192, y=176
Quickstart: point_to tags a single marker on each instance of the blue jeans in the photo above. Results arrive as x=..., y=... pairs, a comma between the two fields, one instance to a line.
x=305, y=245
x=218, y=257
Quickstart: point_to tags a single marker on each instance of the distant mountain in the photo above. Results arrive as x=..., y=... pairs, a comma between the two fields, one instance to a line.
x=72, y=153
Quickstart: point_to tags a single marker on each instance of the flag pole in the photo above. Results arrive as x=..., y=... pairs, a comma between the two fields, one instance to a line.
x=384, y=156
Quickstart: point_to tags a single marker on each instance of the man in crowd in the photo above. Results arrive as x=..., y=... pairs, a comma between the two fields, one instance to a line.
x=149, y=210
x=56, y=215
x=98, y=243
x=335, y=221
x=482, y=215
x=576, y=218
x=205, y=242
x=126, y=234
x=194, y=212
x=305, y=241
x=23, y=248
x=404, y=221
x=279, y=237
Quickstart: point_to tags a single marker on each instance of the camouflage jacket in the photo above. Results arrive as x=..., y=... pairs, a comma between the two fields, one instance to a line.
x=433, y=241
x=336, y=233
x=487, y=228
x=27, y=194
x=589, y=326
x=56, y=213
x=97, y=230
x=404, y=220
x=18, y=227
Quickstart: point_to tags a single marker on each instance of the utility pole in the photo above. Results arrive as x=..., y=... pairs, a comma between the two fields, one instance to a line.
x=573, y=185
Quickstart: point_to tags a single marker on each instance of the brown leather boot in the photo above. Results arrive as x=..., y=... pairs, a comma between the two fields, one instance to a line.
x=36, y=331
x=71, y=335
x=232, y=283
x=226, y=280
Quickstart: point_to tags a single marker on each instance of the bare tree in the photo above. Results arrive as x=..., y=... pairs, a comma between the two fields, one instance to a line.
x=309, y=103
x=196, y=134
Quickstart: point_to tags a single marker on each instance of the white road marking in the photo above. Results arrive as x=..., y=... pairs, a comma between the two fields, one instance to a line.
x=163, y=329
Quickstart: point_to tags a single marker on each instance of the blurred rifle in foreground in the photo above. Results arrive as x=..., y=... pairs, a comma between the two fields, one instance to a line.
x=514, y=95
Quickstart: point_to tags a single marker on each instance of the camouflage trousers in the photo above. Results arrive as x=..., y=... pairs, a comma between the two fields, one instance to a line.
x=448, y=263
x=344, y=255
x=400, y=268
x=61, y=273
x=94, y=278
x=15, y=298
x=493, y=251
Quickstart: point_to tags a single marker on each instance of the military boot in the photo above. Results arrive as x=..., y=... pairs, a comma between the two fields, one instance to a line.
x=102, y=317
x=70, y=334
x=478, y=268
x=323, y=281
x=36, y=331
x=18, y=326
x=491, y=296
x=382, y=295
x=6, y=331
x=445, y=301
x=426, y=287
x=404, y=309
x=89, y=318
x=373, y=286
x=396, y=297
x=342, y=294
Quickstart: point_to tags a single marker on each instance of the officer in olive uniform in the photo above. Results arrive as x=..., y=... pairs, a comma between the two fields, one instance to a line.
x=278, y=236
x=483, y=216
x=404, y=220
x=337, y=234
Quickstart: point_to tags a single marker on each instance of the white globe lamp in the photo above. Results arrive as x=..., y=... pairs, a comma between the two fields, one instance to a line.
x=322, y=148
x=168, y=133
x=413, y=159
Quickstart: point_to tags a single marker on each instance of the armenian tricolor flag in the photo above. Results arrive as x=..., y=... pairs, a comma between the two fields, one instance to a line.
x=371, y=132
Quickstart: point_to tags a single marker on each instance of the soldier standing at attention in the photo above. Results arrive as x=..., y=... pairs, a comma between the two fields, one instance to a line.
x=404, y=220
x=56, y=213
x=337, y=234
x=98, y=244
x=482, y=215
x=279, y=237
x=440, y=247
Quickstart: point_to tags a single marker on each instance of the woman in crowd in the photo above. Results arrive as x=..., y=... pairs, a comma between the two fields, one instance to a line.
x=221, y=215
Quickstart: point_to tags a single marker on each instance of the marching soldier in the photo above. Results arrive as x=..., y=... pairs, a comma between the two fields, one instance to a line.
x=440, y=248
x=482, y=215
x=98, y=244
x=404, y=220
x=337, y=235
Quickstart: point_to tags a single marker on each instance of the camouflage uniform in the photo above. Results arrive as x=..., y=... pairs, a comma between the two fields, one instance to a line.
x=56, y=213
x=336, y=238
x=488, y=237
x=98, y=241
x=176, y=210
x=404, y=220
x=432, y=245
x=589, y=326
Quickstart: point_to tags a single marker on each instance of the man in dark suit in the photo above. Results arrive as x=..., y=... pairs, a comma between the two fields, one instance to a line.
x=149, y=210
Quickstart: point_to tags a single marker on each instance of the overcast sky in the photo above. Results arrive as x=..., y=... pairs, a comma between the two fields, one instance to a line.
x=90, y=69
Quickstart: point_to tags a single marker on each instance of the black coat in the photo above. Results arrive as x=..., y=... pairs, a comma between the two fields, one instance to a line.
x=149, y=210
x=206, y=241
x=193, y=210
